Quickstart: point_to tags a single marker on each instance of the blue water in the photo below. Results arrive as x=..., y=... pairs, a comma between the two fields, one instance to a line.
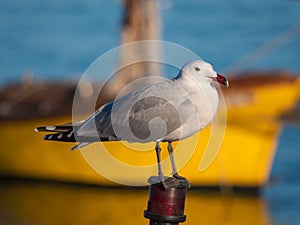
x=283, y=195
x=52, y=39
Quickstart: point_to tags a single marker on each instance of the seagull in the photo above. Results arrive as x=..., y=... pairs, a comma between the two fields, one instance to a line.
x=171, y=110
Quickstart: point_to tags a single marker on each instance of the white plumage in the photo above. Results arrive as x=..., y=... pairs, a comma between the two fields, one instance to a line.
x=167, y=111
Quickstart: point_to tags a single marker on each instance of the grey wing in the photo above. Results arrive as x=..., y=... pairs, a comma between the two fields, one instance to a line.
x=151, y=114
x=148, y=114
x=98, y=124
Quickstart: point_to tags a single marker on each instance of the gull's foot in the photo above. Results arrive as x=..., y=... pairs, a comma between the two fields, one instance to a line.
x=157, y=180
x=174, y=182
x=182, y=180
x=177, y=176
x=170, y=182
x=161, y=180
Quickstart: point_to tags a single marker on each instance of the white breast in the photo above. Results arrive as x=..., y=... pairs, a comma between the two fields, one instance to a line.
x=205, y=100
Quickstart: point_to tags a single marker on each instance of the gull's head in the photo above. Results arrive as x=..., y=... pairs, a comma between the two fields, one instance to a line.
x=202, y=71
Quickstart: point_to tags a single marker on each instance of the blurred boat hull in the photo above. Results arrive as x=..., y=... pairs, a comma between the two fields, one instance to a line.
x=244, y=160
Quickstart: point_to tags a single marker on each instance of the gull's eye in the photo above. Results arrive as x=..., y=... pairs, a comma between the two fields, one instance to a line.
x=197, y=68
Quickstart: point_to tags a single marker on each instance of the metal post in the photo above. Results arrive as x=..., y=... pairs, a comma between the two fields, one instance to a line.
x=166, y=205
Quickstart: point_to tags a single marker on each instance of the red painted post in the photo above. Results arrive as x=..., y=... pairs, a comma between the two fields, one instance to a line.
x=166, y=205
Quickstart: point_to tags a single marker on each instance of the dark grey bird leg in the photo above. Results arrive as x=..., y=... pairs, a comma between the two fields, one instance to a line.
x=174, y=170
x=158, y=150
x=178, y=181
x=168, y=182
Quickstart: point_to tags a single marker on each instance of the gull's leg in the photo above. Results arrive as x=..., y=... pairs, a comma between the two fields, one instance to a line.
x=174, y=170
x=158, y=150
x=168, y=182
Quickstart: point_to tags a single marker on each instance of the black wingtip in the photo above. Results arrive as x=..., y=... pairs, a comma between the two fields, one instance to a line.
x=60, y=136
x=46, y=129
x=59, y=128
x=47, y=137
x=38, y=129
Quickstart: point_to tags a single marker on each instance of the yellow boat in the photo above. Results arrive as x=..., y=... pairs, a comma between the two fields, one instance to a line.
x=244, y=159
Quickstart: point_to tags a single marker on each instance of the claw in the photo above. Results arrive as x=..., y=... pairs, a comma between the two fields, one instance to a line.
x=182, y=180
x=177, y=176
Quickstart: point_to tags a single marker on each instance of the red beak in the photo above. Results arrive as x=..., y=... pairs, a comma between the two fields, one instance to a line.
x=222, y=80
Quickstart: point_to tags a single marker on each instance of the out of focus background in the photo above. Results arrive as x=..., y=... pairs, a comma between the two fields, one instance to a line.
x=46, y=46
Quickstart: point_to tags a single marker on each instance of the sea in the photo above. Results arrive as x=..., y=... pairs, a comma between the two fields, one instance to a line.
x=57, y=40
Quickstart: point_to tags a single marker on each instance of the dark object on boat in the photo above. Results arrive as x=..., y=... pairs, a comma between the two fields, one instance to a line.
x=36, y=100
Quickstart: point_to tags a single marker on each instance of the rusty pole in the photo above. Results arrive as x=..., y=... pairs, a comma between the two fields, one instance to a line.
x=166, y=205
